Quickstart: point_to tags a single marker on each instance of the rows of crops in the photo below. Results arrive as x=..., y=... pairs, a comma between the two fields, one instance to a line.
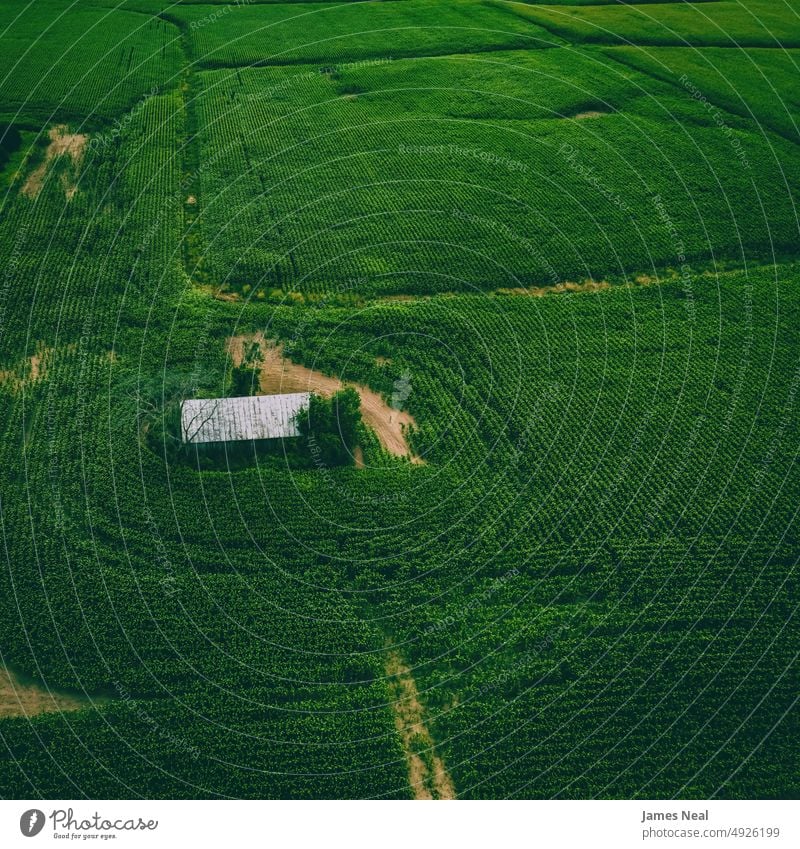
x=747, y=23
x=294, y=705
x=593, y=575
x=226, y=604
x=291, y=33
x=758, y=85
x=510, y=192
x=85, y=64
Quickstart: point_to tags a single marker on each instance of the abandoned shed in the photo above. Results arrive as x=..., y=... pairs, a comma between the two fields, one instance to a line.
x=238, y=419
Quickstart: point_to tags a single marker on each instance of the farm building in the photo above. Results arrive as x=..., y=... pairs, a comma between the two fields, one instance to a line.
x=238, y=419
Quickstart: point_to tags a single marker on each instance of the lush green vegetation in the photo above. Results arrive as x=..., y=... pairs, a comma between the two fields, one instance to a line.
x=592, y=576
x=738, y=23
x=332, y=426
x=89, y=65
x=278, y=34
x=479, y=172
x=757, y=84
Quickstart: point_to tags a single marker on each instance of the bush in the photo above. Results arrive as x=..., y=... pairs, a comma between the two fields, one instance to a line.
x=244, y=381
x=329, y=426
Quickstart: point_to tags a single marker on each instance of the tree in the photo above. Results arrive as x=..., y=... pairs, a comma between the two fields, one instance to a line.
x=330, y=426
x=245, y=378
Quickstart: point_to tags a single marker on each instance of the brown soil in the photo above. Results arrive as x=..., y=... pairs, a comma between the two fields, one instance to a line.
x=558, y=289
x=582, y=116
x=62, y=143
x=279, y=374
x=427, y=774
x=36, y=366
x=18, y=699
x=358, y=457
x=9, y=380
x=29, y=370
x=222, y=295
x=219, y=294
x=191, y=200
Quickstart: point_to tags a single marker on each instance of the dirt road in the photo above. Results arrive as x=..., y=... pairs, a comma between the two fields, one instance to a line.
x=279, y=374
x=427, y=774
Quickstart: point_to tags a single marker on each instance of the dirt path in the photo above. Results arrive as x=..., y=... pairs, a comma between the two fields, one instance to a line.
x=18, y=699
x=279, y=374
x=557, y=289
x=427, y=774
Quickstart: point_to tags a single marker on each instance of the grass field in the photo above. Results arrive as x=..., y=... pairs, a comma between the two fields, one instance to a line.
x=562, y=240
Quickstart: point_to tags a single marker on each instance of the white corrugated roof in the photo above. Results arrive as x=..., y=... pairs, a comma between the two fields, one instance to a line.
x=236, y=419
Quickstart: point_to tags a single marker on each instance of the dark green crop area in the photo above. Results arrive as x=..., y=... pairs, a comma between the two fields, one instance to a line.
x=88, y=65
x=757, y=84
x=570, y=259
x=291, y=33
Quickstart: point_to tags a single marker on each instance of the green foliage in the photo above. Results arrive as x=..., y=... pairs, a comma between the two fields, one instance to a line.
x=593, y=575
x=330, y=427
x=10, y=140
x=245, y=376
x=758, y=85
x=244, y=381
x=288, y=34
x=734, y=23
x=492, y=184
x=87, y=64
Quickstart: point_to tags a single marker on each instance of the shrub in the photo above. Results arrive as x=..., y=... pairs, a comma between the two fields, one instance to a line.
x=330, y=426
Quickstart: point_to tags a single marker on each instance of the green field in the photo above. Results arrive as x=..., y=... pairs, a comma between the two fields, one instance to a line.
x=479, y=171
x=752, y=23
x=563, y=238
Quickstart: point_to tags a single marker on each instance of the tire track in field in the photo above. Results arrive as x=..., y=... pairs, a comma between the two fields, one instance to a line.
x=427, y=773
x=28, y=699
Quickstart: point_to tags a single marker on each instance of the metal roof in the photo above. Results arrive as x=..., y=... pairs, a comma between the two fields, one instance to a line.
x=236, y=419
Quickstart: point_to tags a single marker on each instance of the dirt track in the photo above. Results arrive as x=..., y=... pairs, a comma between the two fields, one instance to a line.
x=279, y=374
x=557, y=289
x=427, y=774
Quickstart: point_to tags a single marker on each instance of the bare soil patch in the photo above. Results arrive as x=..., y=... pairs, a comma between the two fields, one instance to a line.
x=219, y=294
x=558, y=289
x=427, y=774
x=279, y=374
x=31, y=369
x=589, y=114
x=28, y=699
x=62, y=143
